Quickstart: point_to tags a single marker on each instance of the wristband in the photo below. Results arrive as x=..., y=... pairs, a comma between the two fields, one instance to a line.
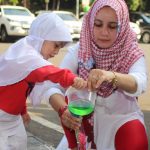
x=61, y=110
x=114, y=81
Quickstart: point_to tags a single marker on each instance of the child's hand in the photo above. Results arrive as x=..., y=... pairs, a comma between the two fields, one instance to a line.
x=26, y=119
x=79, y=83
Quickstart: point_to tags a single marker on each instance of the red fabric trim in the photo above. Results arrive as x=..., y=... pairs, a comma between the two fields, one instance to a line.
x=13, y=97
x=24, y=111
x=131, y=136
x=63, y=76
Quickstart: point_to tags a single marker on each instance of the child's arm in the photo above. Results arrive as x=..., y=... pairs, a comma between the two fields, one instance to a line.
x=63, y=76
x=26, y=119
x=25, y=116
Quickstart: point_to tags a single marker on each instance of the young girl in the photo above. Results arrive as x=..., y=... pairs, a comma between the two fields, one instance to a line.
x=22, y=66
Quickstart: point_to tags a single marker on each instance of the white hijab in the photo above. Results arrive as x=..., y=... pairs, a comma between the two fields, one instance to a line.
x=24, y=56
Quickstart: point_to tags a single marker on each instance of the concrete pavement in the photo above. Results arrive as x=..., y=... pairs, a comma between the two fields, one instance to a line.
x=34, y=143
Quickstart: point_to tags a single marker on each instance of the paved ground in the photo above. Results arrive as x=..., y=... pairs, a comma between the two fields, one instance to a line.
x=34, y=143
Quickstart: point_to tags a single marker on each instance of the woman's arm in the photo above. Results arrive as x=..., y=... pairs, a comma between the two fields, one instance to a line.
x=134, y=82
x=57, y=100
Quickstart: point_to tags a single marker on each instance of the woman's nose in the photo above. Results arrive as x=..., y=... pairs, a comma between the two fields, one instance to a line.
x=105, y=31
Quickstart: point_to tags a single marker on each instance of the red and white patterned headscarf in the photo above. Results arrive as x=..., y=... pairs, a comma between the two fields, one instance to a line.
x=119, y=57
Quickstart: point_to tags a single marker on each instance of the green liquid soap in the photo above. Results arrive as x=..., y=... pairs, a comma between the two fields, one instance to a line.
x=81, y=107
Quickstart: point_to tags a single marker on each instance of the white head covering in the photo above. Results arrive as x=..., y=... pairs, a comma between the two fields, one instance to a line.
x=50, y=27
x=24, y=56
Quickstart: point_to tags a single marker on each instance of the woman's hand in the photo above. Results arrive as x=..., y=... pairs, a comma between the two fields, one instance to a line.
x=70, y=121
x=97, y=77
x=79, y=83
x=125, y=82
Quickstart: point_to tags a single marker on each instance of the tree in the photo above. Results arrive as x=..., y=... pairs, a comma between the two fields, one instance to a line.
x=2, y=2
x=58, y=5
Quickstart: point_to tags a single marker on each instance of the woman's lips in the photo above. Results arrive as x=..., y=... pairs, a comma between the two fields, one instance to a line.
x=104, y=40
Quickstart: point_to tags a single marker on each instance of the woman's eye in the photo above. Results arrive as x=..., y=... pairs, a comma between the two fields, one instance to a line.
x=98, y=24
x=113, y=26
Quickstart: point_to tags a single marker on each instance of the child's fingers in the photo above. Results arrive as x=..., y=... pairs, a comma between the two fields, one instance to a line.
x=82, y=84
x=79, y=83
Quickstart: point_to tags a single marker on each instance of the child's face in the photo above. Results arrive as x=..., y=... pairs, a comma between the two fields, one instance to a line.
x=51, y=48
x=105, y=27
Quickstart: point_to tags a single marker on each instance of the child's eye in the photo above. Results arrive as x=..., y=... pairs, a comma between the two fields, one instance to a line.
x=59, y=45
x=56, y=46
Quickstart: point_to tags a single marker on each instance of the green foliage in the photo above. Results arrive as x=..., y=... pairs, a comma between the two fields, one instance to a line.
x=1, y=1
x=86, y=8
x=133, y=4
x=14, y=2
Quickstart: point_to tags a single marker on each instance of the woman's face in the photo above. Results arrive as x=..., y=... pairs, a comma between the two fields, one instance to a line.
x=105, y=27
x=51, y=48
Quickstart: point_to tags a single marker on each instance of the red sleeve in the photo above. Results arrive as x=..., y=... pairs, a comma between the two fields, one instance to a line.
x=63, y=76
x=24, y=111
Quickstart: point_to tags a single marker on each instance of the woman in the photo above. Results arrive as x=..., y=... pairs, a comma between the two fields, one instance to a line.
x=25, y=64
x=108, y=56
